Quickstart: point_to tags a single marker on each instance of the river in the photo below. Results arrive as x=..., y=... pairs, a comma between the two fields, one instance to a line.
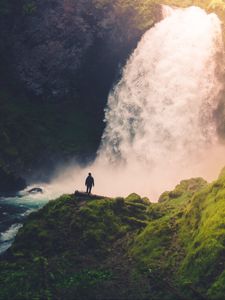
x=13, y=212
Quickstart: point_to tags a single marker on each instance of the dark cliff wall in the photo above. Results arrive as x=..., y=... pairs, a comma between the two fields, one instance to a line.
x=59, y=60
x=64, y=48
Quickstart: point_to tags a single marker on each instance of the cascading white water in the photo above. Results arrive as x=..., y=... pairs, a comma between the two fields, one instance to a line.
x=160, y=125
x=162, y=109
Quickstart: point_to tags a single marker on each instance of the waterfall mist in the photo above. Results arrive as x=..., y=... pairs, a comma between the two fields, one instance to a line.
x=160, y=117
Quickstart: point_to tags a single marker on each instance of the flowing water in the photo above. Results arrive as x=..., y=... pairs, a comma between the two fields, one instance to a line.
x=160, y=118
x=161, y=112
x=13, y=212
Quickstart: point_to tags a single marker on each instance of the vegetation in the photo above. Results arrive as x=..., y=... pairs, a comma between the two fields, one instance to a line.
x=119, y=248
x=33, y=134
x=144, y=9
x=75, y=248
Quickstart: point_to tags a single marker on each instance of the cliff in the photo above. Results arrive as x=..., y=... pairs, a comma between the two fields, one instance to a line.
x=59, y=60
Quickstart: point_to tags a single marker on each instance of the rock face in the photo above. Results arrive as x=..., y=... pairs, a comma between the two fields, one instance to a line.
x=72, y=51
x=63, y=50
x=69, y=52
x=10, y=184
x=69, y=47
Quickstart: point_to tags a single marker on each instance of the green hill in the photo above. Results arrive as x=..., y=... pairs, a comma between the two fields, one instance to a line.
x=81, y=248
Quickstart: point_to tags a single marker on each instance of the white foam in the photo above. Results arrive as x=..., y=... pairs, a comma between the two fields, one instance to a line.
x=160, y=122
x=10, y=233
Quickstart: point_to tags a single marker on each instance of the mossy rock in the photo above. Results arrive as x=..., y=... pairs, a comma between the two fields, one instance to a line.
x=137, y=199
x=179, y=241
x=133, y=197
x=189, y=186
x=136, y=223
x=164, y=197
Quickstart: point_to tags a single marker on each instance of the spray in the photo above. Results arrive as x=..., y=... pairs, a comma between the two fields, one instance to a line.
x=160, y=121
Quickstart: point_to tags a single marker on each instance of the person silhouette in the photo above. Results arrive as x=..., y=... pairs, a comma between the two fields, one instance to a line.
x=89, y=182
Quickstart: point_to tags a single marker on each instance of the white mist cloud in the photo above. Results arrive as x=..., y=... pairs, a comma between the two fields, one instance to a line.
x=160, y=125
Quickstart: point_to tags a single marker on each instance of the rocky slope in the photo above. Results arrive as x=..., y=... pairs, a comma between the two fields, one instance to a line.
x=83, y=248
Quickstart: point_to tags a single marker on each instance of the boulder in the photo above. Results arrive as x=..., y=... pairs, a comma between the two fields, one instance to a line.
x=36, y=190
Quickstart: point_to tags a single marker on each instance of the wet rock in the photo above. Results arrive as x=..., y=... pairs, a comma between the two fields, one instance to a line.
x=86, y=196
x=36, y=190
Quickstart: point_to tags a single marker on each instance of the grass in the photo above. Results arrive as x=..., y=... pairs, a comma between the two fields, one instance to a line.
x=75, y=247
x=69, y=249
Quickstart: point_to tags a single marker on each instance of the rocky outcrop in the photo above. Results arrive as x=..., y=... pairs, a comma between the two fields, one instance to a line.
x=64, y=48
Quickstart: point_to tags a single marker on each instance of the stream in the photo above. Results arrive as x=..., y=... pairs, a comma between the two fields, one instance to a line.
x=13, y=213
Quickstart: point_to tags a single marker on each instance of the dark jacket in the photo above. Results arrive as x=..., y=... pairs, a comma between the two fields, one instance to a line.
x=89, y=181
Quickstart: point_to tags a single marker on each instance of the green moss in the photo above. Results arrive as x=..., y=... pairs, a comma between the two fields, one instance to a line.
x=188, y=187
x=70, y=233
x=204, y=222
x=151, y=244
x=133, y=197
x=178, y=245
x=217, y=290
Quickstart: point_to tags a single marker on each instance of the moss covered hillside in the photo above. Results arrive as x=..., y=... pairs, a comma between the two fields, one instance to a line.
x=80, y=248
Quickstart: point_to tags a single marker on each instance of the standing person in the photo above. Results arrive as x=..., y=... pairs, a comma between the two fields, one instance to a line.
x=89, y=183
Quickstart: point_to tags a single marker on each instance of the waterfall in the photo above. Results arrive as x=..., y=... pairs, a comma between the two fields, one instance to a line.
x=160, y=117
x=162, y=109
